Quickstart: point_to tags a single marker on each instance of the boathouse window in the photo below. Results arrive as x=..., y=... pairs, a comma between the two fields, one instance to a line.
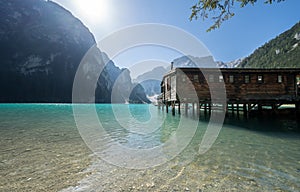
x=231, y=78
x=221, y=78
x=247, y=78
x=168, y=84
x=211, y=78
x=259, y=78
x=279, y=79
x=196, y=77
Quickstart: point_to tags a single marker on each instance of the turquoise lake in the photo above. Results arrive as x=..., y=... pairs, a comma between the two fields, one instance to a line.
x=48, y=147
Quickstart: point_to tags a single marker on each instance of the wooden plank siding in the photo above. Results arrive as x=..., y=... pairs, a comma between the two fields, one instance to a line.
x=243, y=85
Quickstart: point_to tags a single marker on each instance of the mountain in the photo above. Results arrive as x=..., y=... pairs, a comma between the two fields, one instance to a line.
x=150, y=80
x=230, y=64
x=41, y=47
x=156, y=73
x=282, y=51
x=191, y=61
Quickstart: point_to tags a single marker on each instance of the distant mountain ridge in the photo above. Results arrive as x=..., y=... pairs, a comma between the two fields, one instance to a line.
x=150, y=80
x=230, y=64
x=41, y=47
x=156, y=73
x=282, y=51
x=192, y=61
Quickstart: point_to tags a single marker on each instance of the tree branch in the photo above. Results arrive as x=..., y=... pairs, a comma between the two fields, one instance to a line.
x=219, y=9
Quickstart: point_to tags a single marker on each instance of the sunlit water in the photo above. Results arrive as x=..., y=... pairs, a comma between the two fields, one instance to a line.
x=42, y=150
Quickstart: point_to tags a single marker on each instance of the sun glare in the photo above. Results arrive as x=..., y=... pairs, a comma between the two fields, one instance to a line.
x=96, y=11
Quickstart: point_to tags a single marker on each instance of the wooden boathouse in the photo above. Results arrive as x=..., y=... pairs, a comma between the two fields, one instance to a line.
x=245, y=88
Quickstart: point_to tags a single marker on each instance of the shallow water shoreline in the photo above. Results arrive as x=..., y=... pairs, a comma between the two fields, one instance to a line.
x=42, y=150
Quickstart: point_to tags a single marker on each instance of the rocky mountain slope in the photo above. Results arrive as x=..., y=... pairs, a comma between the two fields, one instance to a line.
x=151, y=80
x=191, y=61
x=282, y=51
x=230, y=64
x=155, y=74
x=41, y=46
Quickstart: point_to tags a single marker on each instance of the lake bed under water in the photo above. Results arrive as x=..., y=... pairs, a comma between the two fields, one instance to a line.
x=42, y=150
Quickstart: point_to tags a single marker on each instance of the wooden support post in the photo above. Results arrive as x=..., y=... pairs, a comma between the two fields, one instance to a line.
x=245, y=111
x=297, y=108
x=167, y=107
x=173, y=108
x=244, y=108
x=259, y=107
x=209, y=108
x=186, y=108
x=238, y=111
x=205, y=109
x=225, y=107
x=197, y=109
x=179, y=106
x=193, y=105
x=232, y=108
x=249, y=107
x=274, y=109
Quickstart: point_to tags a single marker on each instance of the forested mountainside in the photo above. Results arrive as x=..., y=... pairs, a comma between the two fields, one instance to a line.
x=282, y=51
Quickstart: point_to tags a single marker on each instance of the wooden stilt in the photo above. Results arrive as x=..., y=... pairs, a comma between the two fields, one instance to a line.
x=297, y=106
x=167, y=107
x=173, y=108
x=244, y=108
x=274, y=109
x=193, y=105
x=205, y=109
x=225, y=107
x=245, y=111
x=259, y=107
x=186, y=108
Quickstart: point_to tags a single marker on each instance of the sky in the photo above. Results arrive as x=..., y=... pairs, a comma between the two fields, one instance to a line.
x=250, y=28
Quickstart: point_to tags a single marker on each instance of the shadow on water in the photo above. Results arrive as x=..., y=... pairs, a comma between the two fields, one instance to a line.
x=265, y=122
x=284, y=121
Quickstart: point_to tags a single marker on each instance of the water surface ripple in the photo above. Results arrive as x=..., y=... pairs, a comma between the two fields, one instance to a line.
x=42, y=150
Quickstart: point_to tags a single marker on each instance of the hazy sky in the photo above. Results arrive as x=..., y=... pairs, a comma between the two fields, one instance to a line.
x=250, y=28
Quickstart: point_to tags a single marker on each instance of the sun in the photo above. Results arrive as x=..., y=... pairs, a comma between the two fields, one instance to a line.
x=96, y=11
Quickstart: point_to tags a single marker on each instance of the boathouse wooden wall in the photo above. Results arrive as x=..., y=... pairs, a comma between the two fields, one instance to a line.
x=241, y=84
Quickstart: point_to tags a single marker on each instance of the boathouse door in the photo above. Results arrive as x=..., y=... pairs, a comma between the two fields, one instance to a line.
x=298, y=85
